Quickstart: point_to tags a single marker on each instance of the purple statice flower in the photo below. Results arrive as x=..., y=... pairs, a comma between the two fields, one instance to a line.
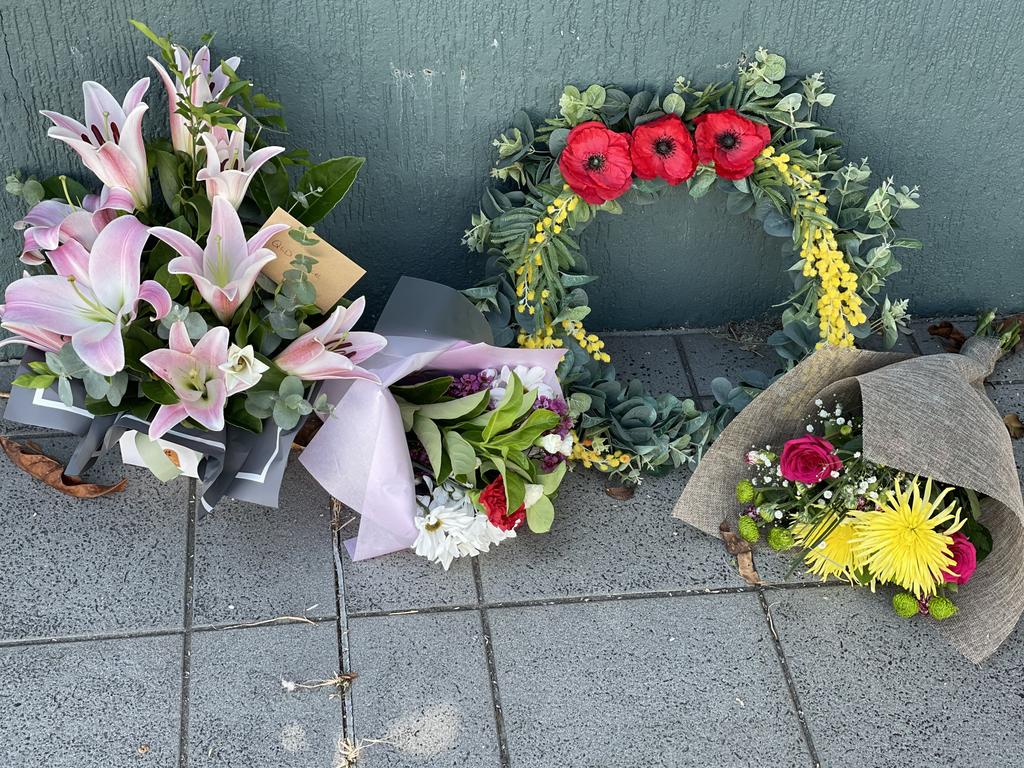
x=550, y=460
x=559, y=406
x=470, y=383
x=417, y=452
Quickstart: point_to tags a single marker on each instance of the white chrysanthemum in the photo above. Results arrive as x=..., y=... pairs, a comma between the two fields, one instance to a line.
x=480, y=535
x=552, y=443
x=450, y=527
x=447, y=514
x=532, y=379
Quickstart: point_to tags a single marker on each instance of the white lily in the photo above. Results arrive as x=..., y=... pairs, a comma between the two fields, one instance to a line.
x=242, y=370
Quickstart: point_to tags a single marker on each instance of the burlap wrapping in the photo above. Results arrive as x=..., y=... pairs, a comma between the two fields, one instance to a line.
x=927, y=416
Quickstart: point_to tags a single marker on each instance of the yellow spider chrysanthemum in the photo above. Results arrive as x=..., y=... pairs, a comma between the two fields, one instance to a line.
x=906, y=541
x=833, y=555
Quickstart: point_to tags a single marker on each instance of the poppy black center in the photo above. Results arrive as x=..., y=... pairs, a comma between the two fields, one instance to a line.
x=727, y=140
x=595, y=162
x=664, y=146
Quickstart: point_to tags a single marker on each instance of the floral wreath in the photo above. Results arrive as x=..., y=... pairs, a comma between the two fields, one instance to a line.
x=757, y=142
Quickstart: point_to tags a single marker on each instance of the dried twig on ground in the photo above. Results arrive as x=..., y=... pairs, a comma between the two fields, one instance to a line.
x=340, y=682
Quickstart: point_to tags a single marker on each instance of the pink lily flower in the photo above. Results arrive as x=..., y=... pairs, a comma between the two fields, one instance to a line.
x=110, y=142
x=206, y=86
x=52, y=222
x=92, y=296
x=228, y=171
x=30, y=336
x=196, y=376
x=333, y=350
x=225, y=271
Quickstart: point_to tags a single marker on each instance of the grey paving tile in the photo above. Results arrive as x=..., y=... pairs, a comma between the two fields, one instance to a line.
x=255, y=563
x=711, y=356
x=654, y=360
x=1009, y=398
x=932, y=345
x=423, y=691
x=105, y=704
x=599, y=545
x=74, y=566
x=775, y=567
x=241, y=715
x=893, y=690
x=875, y=343
x=686, y=681
x=1009, y=368
x=403, y=580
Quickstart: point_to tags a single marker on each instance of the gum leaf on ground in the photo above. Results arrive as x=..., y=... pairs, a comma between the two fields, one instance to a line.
x=29, y=458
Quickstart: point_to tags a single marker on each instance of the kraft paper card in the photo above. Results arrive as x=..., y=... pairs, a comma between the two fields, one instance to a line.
x=333, y=274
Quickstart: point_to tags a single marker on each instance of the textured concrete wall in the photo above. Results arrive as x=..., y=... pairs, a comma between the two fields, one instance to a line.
x=930, y=91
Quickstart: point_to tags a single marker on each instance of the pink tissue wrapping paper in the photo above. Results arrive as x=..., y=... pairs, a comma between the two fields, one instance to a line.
x=360, y=455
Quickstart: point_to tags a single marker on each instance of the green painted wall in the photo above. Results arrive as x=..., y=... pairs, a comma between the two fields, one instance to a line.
x=930, y=91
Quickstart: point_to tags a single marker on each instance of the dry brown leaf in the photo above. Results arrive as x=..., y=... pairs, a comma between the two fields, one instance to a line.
x=50, y=471
x=734, y=545
x=952, y=337
x=1014, y=425
x=621, y=492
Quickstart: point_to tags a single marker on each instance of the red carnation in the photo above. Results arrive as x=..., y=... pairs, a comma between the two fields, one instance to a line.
x=595, y=162
x=663, y=149
x=492, y=498
x=730, y=141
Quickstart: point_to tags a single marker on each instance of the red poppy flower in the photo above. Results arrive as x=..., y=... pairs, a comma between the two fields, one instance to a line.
x=663, y=149
x=492, y=499
x=595, y=162
x=730, y=141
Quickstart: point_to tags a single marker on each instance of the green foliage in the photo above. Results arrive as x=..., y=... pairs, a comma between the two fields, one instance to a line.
x=323, y=186
x=662, y=432
x=467, y=442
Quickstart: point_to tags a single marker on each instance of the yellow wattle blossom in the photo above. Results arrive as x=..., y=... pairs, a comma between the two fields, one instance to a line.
x=832, y=556
x=543, y=339
x=597, y=456
x=906, y=541
x=590, y=342
x=530, y=272
x=839, y=304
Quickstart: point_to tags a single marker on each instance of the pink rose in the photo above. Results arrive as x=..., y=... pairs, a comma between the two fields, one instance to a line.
x=809, y=460
x=966, y=558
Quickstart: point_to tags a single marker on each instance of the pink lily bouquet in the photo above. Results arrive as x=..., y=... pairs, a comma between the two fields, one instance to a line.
x=150, y=300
